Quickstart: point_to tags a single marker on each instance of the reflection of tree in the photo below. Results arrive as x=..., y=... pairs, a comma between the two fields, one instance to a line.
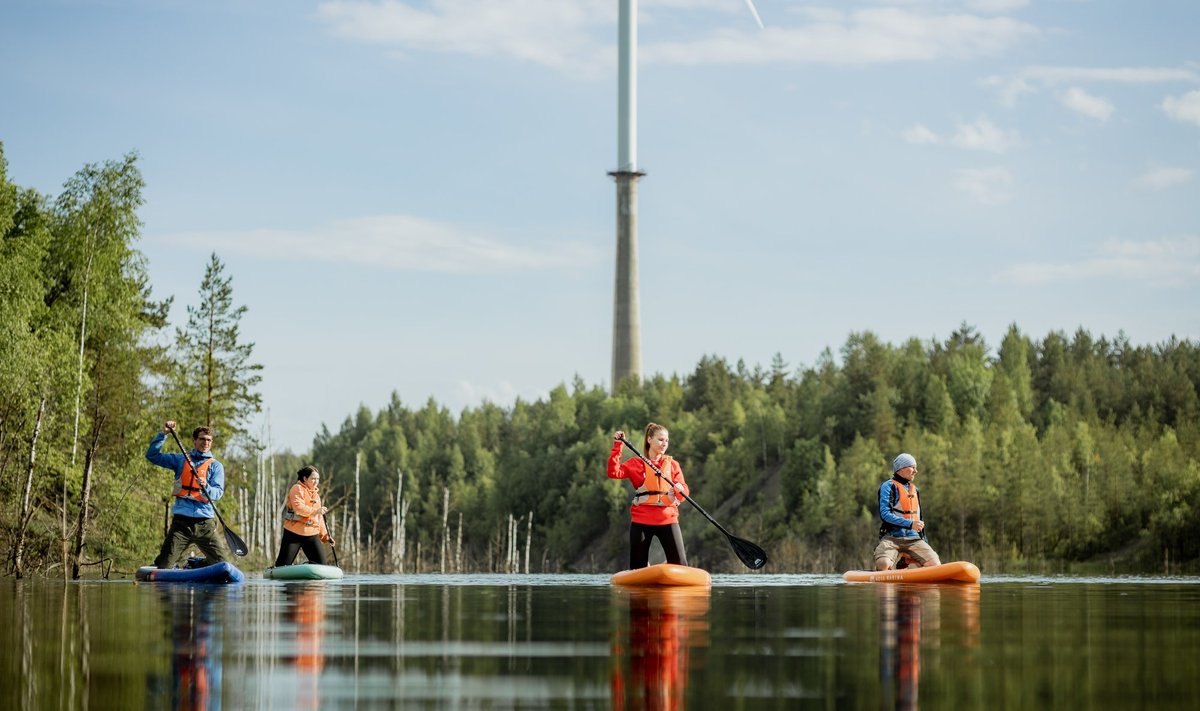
x=905, y=613
x=195, y=647
x=650, y=648
x=306, y=609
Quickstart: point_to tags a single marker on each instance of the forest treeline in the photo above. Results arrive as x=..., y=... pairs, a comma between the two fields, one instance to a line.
x=1065, y=452
x=1039, y=455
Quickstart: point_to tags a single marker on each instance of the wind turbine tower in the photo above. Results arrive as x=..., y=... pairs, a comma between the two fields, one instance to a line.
x=627, y=329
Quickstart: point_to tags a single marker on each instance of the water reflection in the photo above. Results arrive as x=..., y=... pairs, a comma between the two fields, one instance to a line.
x=655, y=630
x=306, y=610
x=572, y=642
x=195, y=646
x=910, y=617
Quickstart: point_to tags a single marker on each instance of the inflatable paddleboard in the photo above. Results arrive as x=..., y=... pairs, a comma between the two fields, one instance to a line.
x=663, y=574
x=304, y=571
x=956, y=572
x=219, y=573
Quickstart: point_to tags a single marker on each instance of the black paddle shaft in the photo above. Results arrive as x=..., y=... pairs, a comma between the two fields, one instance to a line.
x=329, y=532
x=233, y=540
x=749, y=553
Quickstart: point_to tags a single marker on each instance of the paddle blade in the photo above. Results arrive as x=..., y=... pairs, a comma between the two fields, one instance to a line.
x=750, y=554
x=235, y=543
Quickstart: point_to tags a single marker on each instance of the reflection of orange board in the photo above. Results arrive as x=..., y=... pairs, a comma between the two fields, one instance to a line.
x=663, y=574
x=957, y=572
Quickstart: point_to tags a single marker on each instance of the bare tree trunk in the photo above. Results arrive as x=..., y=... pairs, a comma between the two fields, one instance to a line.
x=23, y=519
x=85, y=499
x=83, y=311
x=403, y=533
x=511, y=564
x=445, y=526
x=458, y=557
x=398, y=511
x=528, y=540
x=357, y=507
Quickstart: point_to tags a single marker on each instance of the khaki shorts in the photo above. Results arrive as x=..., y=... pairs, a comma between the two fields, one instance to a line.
x=890, y=549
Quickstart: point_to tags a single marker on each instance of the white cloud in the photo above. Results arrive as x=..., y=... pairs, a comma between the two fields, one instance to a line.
x=552, y=33
x=988, y=186
x=1184, y=108
x=399, y=242
x=996, y=6
x=983, y=135
x=1010, y=88
x=577, y=35
x=1162, y=263
x=1080, y=101
x=1162, y=178
x=471, y=394
x=1029, y=79
x=920, y=135
x=868, y=36
x=1119, y=75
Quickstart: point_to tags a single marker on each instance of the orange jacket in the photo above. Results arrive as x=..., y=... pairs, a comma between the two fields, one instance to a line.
x=301, y=517
x=634, y=469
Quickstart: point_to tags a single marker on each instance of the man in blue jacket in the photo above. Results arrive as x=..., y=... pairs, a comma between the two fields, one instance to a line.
x=199, y=481
x=902, y=531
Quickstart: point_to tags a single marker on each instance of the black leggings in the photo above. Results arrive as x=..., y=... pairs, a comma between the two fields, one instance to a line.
x=292, y=542
x=669, y=537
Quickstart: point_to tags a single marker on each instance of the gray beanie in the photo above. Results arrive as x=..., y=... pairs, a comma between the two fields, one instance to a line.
x=904, y=460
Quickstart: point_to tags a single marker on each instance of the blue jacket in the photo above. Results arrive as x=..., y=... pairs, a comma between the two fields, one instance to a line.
x=894, y=524
x=175, y=462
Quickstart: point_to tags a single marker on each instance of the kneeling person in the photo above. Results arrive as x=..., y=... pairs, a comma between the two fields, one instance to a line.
x=901, y=533
x=304, y=521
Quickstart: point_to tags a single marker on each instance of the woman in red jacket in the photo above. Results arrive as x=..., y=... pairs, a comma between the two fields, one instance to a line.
x=655, y=509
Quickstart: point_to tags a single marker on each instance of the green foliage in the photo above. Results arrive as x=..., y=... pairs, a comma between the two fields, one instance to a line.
x=1050, y=452
x=215, y=376
x=1016, y=465
x=81, y=376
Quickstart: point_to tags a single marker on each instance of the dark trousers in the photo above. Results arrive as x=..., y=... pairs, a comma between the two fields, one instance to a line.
x=293, y=542
x=186, y=531
x=642, y=535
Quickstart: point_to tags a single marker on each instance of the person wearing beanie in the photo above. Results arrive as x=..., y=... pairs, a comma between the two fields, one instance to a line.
x=902, y=532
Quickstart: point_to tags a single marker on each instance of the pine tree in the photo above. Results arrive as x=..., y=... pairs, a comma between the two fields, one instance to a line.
x=215, y=375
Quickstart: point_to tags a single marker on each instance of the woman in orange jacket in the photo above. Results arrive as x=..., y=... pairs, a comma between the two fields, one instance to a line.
x=304, y=521
x=654, y=512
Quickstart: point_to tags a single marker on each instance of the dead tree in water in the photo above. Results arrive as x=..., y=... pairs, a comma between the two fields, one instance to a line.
x=399, y=515
x=445, y=527
x=528, y=540
x=458, y=557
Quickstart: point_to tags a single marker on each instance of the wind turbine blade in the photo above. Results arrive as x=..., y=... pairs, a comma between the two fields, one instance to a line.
x=753, y=11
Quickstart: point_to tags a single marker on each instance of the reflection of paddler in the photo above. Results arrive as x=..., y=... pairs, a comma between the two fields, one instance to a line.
x=912, y=615
x=899, y=646
x=195, y=648
x=306, y=609
x=650, y=648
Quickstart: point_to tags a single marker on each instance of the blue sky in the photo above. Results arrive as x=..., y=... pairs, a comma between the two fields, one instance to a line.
x=412, y=196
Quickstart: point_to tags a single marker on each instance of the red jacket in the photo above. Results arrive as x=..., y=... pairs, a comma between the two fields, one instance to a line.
x=634, y=469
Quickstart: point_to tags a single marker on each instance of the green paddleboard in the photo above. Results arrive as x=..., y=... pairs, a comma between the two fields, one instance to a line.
x=304, y=571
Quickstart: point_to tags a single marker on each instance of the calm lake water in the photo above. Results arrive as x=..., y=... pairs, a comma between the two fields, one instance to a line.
x=574, y=642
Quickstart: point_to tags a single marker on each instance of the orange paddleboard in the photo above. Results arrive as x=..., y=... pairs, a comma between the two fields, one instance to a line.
x=663, y=574
x=957, y=572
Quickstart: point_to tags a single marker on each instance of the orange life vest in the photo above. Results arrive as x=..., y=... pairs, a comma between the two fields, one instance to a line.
x=194, y=480
x=908, y=505
x=654, y=493
x=308, y=525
